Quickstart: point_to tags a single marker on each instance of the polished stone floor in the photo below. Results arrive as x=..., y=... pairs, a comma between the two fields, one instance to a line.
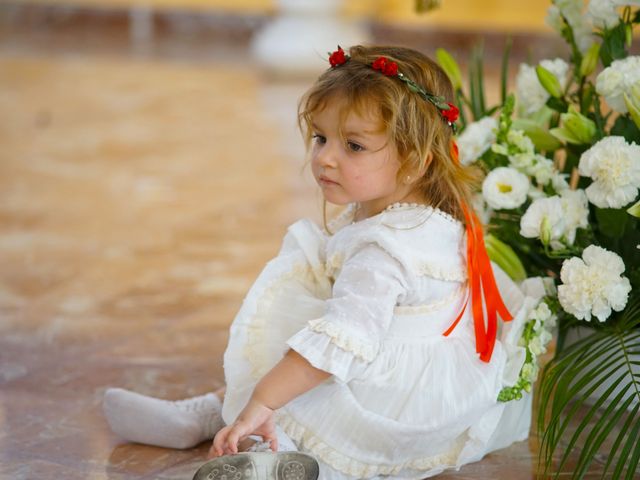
x=139, y=198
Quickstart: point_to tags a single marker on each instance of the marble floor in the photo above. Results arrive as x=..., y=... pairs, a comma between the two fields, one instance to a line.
x=139, y=198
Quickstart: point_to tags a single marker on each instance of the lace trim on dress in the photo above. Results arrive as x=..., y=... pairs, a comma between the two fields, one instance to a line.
x=441, y=273
x=437, y=211
x=352, y=467
x=344, y=339
x=430, y=307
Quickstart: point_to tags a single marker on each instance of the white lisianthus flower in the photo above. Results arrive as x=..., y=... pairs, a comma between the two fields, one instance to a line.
x=575, y=207
x=603, y=14
x=505, y=188
x=544, y=219
x=617, y=79
x=614, y=166
x=530, y=93
x=593, y=284
x=476, y=139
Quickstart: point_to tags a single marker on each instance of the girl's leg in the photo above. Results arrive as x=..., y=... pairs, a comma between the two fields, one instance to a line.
x=171, y=424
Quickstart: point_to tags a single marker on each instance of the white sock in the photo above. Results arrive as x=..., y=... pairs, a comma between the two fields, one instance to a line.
x=152, y=421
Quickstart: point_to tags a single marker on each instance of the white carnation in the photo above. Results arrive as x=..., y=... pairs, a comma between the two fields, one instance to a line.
x=505, y=188
x=593, y=284
x=530, y=93
x=476, y=139
x=617, y=79
x=575, y=207
x=603, y=13
x=614, y=166
x=544, y=213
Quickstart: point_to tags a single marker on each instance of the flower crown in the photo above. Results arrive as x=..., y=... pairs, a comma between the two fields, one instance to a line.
x=448, y=111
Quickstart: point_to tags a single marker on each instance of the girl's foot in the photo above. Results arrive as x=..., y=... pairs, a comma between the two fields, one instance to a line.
x=152, y=421
x=260, y=466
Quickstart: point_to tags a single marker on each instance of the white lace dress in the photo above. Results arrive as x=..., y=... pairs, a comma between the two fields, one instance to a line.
x=369, y=304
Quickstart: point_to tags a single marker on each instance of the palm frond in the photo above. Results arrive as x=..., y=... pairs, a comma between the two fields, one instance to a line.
x=590, y=402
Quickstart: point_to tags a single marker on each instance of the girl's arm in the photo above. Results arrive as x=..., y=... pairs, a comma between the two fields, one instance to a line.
x=291, y=377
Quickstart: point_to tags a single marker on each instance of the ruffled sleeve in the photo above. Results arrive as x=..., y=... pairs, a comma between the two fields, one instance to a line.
x=347, y=338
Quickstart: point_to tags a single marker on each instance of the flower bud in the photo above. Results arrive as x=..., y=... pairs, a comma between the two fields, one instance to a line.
x=628, y=34
x=590, y=60
x=575, y=128
x=634, y=209
x=549, y=81
x=632, y=101
x=545, y=231
x=450, y=66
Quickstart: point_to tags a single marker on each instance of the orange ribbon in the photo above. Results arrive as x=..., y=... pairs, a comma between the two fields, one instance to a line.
x=481, y=280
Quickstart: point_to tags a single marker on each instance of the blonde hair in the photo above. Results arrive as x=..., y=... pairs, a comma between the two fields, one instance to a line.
x=421, y=136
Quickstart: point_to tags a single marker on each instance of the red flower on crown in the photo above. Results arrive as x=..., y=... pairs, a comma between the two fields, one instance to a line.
x=384, y=65
x=338, y=57
x=450, y=115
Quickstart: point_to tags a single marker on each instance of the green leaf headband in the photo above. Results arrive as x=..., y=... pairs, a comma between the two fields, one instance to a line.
x=448, y=111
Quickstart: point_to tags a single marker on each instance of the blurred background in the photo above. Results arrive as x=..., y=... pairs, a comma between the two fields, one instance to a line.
x=149, y=165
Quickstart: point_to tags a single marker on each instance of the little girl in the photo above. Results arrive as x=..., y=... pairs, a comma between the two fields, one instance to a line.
x=371, y=344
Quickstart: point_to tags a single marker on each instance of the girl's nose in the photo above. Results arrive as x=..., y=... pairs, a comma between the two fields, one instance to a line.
x=327, y=155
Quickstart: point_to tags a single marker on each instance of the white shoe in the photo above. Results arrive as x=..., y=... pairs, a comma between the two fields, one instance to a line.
x=260, y=466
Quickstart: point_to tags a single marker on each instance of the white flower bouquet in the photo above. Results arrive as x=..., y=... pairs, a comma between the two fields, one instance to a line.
x=560, y=199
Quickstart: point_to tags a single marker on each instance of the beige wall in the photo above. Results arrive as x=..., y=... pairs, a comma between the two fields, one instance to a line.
x=504, y=15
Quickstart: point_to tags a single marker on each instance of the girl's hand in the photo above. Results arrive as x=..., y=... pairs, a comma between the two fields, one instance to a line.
x=255, y=419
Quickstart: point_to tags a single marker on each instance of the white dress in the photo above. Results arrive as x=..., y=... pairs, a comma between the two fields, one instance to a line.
x=369, y=304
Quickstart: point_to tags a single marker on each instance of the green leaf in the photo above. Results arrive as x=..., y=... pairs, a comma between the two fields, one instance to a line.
x=634, y=209
x=541, y=138
x=450, y=66
x=557, y=104
x=625, y=127
x=608, y=426
x=476, y=83
x=613, y=45
x=611, y=221
x=504, y=70
x=505, y=257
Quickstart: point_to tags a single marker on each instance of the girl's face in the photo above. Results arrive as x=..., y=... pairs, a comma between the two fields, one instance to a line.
x=361, y=166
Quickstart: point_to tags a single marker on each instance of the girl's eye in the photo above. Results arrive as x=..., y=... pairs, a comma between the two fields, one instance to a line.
x=354, y=147
x=319, y=139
